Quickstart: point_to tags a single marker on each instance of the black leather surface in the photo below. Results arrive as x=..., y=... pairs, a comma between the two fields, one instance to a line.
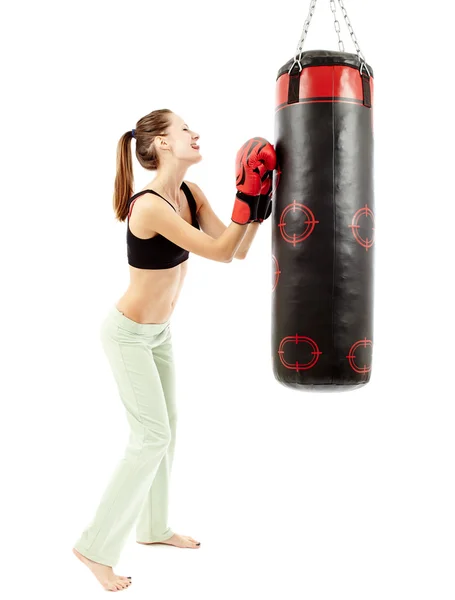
x=323, y=243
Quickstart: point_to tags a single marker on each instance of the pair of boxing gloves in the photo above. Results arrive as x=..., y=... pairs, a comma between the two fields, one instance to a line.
x=255, y=163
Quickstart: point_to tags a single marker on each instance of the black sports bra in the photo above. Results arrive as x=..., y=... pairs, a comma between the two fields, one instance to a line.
x=157, y=252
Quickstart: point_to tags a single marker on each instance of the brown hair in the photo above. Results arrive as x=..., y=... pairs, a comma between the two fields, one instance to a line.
x=147, y=128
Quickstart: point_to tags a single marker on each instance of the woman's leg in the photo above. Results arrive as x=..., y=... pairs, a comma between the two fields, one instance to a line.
x=140, y=389
x=152, y=524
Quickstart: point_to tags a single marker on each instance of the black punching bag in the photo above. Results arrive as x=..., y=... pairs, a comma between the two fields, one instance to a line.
x=323, y=223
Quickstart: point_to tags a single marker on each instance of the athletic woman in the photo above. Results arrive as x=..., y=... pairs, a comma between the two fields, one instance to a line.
x=166, y=220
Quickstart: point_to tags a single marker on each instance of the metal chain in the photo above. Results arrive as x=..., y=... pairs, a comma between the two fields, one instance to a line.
x=354, y=39
x=303, y=36
x=333, y=6
x=337, y=29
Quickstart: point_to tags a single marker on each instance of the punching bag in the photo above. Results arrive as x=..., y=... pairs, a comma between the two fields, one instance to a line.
x=323, y=223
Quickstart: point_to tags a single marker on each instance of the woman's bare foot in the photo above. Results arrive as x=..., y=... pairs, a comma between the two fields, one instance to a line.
x=181, y=541
x=105, y=575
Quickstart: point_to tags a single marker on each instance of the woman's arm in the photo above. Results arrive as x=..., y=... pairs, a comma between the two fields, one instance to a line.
x=213, y=226
x=161, y=218
x=251, y=231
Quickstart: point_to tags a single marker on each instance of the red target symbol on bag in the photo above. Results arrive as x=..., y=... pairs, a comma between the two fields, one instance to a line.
x=295, y=219
x=352, y=355
x=363, y=220
x=309, y=351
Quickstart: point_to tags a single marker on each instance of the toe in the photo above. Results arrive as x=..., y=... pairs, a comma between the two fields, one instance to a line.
x=116, y=585
x=111, y=587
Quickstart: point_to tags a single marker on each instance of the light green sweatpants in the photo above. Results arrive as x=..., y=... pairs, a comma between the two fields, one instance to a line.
x=141, y=359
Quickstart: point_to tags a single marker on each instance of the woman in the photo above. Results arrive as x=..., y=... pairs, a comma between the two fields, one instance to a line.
x=163, y=226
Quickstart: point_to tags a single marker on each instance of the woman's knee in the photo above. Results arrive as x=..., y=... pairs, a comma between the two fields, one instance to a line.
x=158, y=438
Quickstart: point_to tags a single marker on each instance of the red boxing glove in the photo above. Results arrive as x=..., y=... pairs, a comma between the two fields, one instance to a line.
x=253, y=159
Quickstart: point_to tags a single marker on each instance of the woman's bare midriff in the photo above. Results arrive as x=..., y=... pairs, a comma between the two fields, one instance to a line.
x=152, y=294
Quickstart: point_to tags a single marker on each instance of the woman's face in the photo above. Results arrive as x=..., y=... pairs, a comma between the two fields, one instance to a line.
x=180, y=139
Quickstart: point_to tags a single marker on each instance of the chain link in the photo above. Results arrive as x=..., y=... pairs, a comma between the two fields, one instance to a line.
x=337, y=30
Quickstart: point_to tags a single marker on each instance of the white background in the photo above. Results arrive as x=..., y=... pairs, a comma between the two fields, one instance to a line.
x=292, y=495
